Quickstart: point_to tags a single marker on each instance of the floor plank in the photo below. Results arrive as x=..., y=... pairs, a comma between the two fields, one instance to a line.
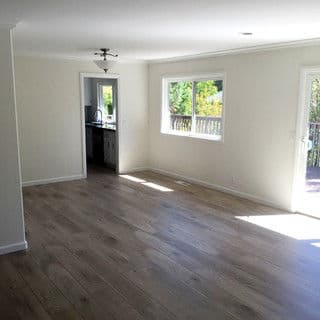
x=110, y=248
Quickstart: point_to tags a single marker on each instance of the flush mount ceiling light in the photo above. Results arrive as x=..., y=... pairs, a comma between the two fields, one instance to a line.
x=105, y=64
x=246, y=33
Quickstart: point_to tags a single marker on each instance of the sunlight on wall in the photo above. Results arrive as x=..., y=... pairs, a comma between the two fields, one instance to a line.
x=146, y=183
x=296, y=226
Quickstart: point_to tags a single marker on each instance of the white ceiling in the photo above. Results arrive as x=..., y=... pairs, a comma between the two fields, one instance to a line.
x=148, y=29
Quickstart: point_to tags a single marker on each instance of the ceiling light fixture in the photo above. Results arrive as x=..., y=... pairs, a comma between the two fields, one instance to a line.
x=105, y=64
x=246, y=33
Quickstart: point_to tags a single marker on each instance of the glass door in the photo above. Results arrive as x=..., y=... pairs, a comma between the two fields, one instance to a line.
x=310, y=157
x=312, y=181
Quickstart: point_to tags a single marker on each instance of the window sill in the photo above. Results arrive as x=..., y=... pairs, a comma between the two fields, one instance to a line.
x=218, y=139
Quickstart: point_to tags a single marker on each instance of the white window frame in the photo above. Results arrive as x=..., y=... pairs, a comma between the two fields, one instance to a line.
x=165, y=114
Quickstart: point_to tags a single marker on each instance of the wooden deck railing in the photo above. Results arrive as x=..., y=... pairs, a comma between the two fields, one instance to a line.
x=314, y=151
x=204, y=125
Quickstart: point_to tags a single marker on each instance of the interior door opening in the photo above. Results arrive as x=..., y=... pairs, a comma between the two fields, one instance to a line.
x=100, y=121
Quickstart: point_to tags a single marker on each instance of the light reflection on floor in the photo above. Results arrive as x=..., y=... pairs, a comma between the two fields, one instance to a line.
x=296, y=226
x=151, y=185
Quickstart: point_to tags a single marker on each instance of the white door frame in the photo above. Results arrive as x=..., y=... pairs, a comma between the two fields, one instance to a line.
x=301, y=141
x=84, y=75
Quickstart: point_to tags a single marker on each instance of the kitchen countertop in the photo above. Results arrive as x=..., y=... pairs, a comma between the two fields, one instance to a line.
x=104, y=126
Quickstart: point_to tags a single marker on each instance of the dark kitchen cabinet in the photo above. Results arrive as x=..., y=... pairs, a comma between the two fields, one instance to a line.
x=89, y=146
x=101, y=146
x=109, y=138
x=97, y=145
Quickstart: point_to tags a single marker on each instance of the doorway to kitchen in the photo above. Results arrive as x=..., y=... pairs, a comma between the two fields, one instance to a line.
x=307, y=180
x=99, y=123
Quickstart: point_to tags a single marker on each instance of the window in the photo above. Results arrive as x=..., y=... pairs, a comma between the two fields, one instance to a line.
x=193, y=106
x=105, y=100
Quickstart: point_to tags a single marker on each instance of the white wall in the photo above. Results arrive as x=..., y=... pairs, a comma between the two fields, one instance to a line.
x=87, y=92
x=261, y=102
x=48, y=101
x=12, y=236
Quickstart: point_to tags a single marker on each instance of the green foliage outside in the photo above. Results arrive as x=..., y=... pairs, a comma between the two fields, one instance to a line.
x=180, y=98
x=207, y=103
x=314, y=118
x=315, y=101
x=107, y=100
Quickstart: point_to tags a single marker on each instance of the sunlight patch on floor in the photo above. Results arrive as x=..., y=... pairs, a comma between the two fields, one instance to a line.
x=146, y=183
x=132, y=178
x=296, y=226
x=156, y=186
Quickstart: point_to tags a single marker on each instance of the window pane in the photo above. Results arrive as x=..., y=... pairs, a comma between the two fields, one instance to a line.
x=107, y=102
x=209, y=106
x=180, y=105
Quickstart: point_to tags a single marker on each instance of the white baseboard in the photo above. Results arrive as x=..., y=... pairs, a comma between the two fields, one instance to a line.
x=172, y=175
x=13, y=247
x=220, y=188
x=52, y=180
x=138, y=169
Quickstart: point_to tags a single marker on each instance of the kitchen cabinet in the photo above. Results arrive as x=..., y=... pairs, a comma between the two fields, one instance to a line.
x=89, y=146
x=109, y=139
x=97, y=145
x=101, y=145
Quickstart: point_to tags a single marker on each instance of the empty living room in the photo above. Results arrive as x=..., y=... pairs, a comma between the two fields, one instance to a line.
x=159, y=160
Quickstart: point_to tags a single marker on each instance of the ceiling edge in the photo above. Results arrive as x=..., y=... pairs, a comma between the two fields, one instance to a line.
x=253, y=49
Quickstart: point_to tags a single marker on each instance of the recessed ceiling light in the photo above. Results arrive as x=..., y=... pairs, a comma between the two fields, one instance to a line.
x=246, y=33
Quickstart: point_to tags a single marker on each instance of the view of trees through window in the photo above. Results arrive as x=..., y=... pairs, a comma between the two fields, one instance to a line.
x=107, y=100
x=315, y=101
x=206, y=106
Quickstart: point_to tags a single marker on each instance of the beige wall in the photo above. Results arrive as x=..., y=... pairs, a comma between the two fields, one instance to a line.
x=48, y=101
x=255, y=160
x=12, y=236
x=261, y=103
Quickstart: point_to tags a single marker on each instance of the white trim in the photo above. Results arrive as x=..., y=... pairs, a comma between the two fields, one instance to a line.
x=137, y=169
x=115, y=76
x=209, y=185
x=175, y=77
x=300, y=155
x=52, y=180
x=14, y=247
x=175, y=176
x=194, y=136
x=99, y=75
x=17, y=133
x=168, y=78
x=235, y=51
x=217, y=187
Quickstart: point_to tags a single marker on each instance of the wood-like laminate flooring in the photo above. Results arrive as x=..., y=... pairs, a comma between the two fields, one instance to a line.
x=112, y=248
